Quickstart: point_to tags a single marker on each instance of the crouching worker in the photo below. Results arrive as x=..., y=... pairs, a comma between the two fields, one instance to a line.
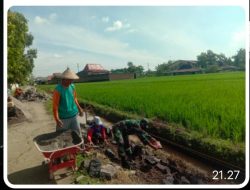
x=121, y=132
x=97, y=133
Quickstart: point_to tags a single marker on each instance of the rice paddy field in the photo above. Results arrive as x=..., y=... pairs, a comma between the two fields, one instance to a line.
x=212, y=104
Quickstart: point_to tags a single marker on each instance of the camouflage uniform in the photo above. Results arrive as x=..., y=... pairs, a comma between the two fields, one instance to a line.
x=122, y=129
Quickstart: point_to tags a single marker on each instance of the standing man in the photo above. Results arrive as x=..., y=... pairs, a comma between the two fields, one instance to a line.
x=65, y=104
x=123, y=129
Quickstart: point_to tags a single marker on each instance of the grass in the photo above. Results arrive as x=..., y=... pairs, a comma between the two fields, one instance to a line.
x=211, y=104
x=83, y=172
x=48, y=106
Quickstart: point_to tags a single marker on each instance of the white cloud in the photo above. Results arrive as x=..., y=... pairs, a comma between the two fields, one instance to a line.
x=105, y=19
x=47, y=63
x=132, y=30
x=176, y=41
x=57, y=55
x=238, y=37
x=117, y=25
x=127, y=25
x=237, y=41
x=75, y=40
x=40, y=20
x=53, y=16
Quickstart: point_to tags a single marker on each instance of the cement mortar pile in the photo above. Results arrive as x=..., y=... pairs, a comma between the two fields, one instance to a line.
x=55, y=140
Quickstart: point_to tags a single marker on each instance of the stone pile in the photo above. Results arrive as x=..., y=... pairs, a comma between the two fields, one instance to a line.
x=32, y=95
x=95, y=168
x=171, y=171
x=149, y=167
x=14, y=113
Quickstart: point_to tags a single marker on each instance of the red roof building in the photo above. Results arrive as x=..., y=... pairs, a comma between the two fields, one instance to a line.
x=93, y=72
x=90, y=69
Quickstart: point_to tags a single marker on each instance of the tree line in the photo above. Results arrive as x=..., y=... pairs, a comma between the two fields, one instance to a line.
x=130, y=69
x=208, y=62
x=209, y=58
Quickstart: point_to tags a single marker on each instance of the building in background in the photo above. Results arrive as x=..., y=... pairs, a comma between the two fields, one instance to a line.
x=54, y=78
x=96, y=72
x=90, y=73
x=93, y=72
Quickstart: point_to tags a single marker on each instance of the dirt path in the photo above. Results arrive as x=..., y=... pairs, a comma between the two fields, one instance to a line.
x=24, y=160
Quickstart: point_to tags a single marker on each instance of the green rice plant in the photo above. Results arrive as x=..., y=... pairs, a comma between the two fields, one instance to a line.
x=212, y=104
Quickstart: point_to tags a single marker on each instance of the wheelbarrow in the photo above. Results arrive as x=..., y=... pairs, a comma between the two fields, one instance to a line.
x=59, y=149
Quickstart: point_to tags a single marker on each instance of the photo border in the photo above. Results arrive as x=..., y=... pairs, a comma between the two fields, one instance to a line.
x=243, y=3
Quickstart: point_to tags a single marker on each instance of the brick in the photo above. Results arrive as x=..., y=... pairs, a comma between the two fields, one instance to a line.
x=145, y=167
x=164, y=162
x=161, y=168
x=150, y=160
x=184, y=180
x=108, y=172
x=168, y=180
x=157, y=159
x=168, y=171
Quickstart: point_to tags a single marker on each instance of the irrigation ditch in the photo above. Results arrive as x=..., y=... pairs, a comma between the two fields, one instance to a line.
x=218, y=155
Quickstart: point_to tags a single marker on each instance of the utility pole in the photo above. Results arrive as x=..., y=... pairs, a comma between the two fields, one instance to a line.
x=78, y=67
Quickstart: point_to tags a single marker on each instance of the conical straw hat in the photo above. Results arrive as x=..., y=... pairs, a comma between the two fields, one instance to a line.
x=68, y=74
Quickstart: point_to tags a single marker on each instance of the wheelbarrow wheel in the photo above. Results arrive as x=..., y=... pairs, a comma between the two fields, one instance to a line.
x=74, y=168
x=51, y=176
x=45, y=162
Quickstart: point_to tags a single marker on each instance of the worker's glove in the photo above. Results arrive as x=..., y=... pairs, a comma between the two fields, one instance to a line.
x=155, y=144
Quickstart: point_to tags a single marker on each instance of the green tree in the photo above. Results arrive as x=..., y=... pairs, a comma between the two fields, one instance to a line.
x=223, y=60
x=161, y=68
x=139, y=69
x=124, y=70
x=206, y=59
x=239, y=58
x=135, y=69
x=131, y=67
x=20, y=56
x=165, y=67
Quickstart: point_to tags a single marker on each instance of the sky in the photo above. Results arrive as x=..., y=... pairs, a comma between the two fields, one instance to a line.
x=73, y=36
